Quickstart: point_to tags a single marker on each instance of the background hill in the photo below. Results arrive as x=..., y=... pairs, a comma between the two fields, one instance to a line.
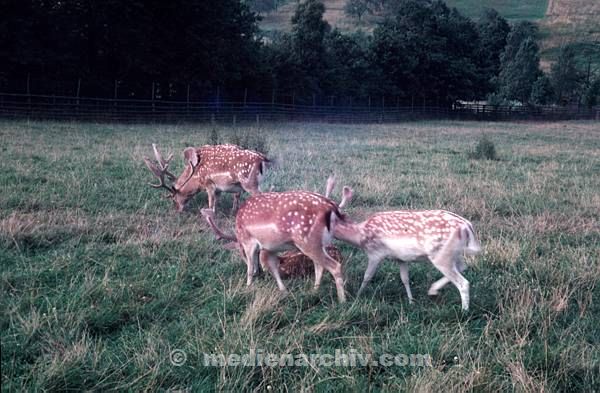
x=561, y=22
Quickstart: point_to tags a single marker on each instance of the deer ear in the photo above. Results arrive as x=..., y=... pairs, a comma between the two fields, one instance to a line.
x=347, y=194
x=190, y=155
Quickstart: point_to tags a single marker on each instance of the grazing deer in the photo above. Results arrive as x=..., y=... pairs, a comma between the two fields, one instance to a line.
x=273, y=222
x=435, y=235
x=226, y=168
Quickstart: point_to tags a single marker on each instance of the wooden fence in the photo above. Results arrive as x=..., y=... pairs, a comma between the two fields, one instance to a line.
x=50, y=107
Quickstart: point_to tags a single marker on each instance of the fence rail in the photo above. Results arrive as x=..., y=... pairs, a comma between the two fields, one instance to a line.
x=52, y=107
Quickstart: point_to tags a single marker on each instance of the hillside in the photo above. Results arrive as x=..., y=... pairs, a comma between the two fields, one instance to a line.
x=560, y=21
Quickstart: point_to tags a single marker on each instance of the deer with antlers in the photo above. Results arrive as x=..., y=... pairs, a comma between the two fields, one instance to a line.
x=273, y=222
x=439, y=236
x=214, y=168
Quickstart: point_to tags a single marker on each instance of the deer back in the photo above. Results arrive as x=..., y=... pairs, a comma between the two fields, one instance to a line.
x=277, y=218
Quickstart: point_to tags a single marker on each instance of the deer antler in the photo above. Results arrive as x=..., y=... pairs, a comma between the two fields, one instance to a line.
x=161, y=170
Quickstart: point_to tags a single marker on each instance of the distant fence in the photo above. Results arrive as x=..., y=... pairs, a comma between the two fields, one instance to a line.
x=50, y=107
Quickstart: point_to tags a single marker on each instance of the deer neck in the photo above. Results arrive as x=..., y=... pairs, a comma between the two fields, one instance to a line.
x=349, y=232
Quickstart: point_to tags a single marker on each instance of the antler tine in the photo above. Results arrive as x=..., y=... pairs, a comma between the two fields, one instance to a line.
x=164, y=164
x=160, y=174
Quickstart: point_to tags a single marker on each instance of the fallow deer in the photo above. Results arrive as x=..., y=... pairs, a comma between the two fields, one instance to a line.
x=217, y=168
x=295, y=264
x=435, y=235
x=273, y=222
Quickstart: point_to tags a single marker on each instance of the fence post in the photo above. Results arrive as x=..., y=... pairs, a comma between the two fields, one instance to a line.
x=78, y=91
x=187, y=102
x=218, y=97
x=116, y=95
x=153, y=109
x=272, y=98
x=28, y=97
x=245, y=96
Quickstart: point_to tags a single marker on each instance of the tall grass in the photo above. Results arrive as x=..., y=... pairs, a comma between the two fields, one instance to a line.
x=101, y=281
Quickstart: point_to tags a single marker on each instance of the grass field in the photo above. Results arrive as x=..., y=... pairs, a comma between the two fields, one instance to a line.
x=510, y=9
x=101, y=281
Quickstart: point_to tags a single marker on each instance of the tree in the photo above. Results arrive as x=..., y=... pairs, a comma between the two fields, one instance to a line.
x=308, y=36
x=428, y=50
x=565, y=77
x=493, y=31
x=356, y=8
x=520, y=32
x=592, y=93
x=518, y=75
x=349, y=72
x=132, y=40
x=541, y=91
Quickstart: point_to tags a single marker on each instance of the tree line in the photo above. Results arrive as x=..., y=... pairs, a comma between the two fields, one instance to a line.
x=420, y=49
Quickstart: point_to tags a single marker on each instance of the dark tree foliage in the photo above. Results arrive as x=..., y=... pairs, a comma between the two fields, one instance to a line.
x=520, y=32
x=566, y=78
x=541, y=91
x=592, y=93
x=349, y=72
x=136, y=41
x=421, y=50
x=428, y=50
x=518, y=75
x=356, y=8
x=493, y=31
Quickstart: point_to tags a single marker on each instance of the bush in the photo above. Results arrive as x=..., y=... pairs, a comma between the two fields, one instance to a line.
x=251, y=139
x=485, y=150
x=254, y=140
x=213, y=138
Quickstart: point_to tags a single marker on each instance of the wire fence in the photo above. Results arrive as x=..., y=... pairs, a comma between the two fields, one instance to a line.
x=54, y=107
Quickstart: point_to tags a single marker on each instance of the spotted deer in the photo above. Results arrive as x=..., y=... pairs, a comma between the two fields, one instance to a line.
x=213, y=168
x=273, y=222
x=294, y=264
x=439, y=236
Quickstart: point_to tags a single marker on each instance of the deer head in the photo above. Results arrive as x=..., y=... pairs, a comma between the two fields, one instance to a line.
x=179, y=190
x=273, y=222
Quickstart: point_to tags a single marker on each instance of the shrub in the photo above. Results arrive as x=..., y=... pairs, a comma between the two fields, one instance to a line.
x=485, y=150
x=213, y=138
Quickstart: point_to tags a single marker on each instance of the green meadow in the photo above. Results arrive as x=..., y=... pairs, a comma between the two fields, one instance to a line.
x=103, y=283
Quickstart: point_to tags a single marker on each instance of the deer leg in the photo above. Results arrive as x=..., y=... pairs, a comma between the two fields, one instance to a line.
x=251, y=262
x=272, y=262
x=406, y=280
x=212, y=198
x=320, y=257
x=374, y=261
x=439, y=284
x=318, y=275
x=236, y=202
x=451, y=273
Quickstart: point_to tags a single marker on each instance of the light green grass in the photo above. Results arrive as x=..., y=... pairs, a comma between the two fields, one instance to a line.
x=510, y=9
x=101, y=280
